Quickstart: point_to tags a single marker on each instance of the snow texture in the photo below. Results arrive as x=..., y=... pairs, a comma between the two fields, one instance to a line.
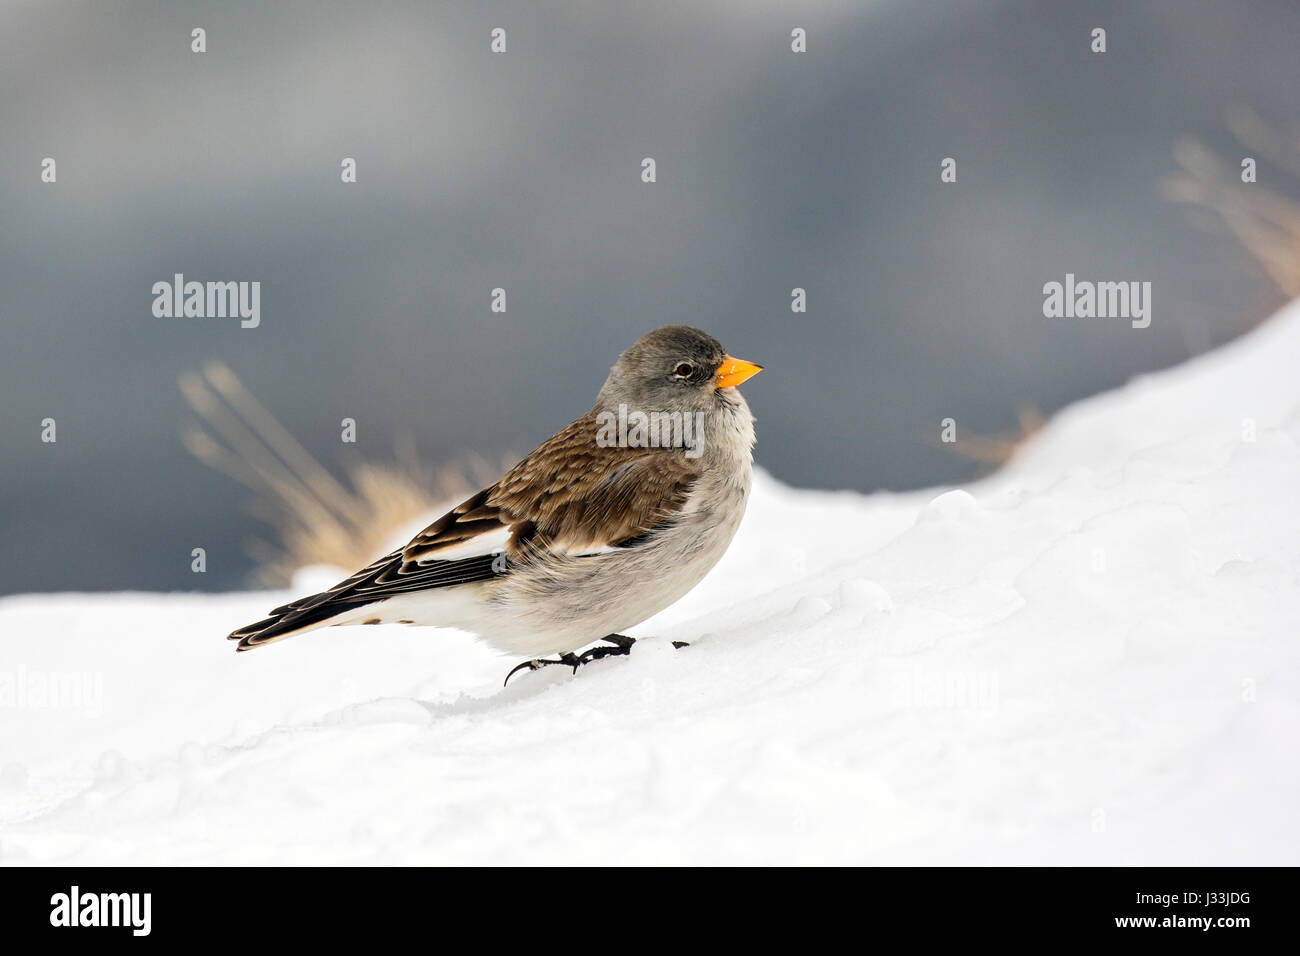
x=1090, y=657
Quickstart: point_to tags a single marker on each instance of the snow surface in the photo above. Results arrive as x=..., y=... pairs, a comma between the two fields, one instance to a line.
x=1089, y=658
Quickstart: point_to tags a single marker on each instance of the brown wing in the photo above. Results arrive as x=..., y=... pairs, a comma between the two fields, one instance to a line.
x=569, y=495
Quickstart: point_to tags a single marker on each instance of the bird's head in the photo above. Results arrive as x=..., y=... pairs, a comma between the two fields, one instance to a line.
x=674, y=369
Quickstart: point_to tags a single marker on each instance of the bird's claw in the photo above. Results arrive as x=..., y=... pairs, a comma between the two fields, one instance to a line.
x=618, y=644
x=537, y=664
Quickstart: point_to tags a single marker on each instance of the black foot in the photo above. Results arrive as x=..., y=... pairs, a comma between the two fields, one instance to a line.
x=620, y=645
x=570, y=660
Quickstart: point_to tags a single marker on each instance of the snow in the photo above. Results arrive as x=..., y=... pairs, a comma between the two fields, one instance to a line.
x=1090, y=657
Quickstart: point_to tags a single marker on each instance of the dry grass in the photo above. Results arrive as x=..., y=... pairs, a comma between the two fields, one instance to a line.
x=317, y=519
x=1264, y=219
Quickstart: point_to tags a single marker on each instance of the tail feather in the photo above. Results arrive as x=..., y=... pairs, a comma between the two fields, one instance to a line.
x=281, y=625
x=386, y=578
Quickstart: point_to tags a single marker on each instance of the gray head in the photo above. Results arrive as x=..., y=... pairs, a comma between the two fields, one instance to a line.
x=676, y=368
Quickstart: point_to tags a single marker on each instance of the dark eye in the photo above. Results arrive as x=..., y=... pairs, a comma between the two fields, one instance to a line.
x=684, y=370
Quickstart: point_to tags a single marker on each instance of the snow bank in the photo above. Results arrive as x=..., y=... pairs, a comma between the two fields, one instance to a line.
x=1088, y=658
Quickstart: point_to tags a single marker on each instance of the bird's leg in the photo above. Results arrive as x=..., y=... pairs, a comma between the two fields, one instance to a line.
x=570, y=659
x=621, y=645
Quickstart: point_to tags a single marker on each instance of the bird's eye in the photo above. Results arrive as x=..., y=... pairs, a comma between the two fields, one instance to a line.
x=684, y=370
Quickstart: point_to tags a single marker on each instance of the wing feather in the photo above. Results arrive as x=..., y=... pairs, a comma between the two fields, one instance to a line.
x=568, y=496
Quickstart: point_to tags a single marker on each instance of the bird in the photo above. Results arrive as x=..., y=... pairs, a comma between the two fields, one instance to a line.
x=607, y=522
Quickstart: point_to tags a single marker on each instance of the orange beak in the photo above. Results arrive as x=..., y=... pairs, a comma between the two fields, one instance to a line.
x=733, y=371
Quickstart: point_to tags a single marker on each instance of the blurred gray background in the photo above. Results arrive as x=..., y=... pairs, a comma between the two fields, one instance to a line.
x=521, y=170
